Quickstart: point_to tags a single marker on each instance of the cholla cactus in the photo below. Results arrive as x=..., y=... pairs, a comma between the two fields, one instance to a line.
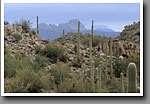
x=37, y=26
x=122, y=83
x=132, y=75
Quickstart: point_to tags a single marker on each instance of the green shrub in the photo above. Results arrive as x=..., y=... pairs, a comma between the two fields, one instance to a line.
x=54, y=51
x=85, y=41
x=19, y=62
x=28, y=81
x=39, y=49
x=135, y=58
x=25, y=24
x=119, y=66
x=97, y=39
x=17, y=37
x=60, y=73
x=39, y=62
x=11, y=64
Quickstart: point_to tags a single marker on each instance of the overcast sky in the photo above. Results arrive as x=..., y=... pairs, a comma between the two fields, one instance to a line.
x=112, y=15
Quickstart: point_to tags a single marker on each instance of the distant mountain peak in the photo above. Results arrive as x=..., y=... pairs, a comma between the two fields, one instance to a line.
x=52, y=31
x=73, y=21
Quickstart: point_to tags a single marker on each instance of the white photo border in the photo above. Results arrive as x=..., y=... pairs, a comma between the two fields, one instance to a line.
x=72, y=94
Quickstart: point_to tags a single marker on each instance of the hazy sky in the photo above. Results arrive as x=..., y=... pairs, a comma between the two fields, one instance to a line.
x=112, y=15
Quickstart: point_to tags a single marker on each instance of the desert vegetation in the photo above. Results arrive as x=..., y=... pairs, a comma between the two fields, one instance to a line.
x=73, y=63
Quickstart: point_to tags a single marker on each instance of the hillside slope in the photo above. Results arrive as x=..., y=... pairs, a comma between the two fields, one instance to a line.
x=131, y=33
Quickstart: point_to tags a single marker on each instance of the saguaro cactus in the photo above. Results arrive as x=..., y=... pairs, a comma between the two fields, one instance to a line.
x=122, y=83
x=132, y=83
x=99, y=79
x=78, y=46
x=91, y=63
x=63, y=35
x=111, y=67
x=106, y=70
x=37, y=26
x=92, y=32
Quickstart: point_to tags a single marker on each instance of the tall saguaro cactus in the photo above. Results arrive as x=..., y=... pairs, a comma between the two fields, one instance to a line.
x=132, y=74
x=92, y=32
x=106, y=69
x=78, y=46
x=122, y=83
x=37, y=26
x=99, y=79
x=91, y=63
x=111, y=67
x=63, y=35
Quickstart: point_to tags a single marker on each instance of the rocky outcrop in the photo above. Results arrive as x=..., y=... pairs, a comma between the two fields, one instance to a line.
x=24, y=46
x=119, y=48
x=131, y=33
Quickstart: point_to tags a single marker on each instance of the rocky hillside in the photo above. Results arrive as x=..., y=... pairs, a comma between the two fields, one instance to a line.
x=28, y=42
x=131, y=33
x=46, y=61
x=102, y=44
x=19, y=42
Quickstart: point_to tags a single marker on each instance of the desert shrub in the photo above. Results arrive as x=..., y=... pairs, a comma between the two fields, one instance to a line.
x=6, y=22
x=11, y=64
x=28, y=81
x=65, y=87
x=54, y=51
x=98, y=62
x=6, y=50
x=60, y=72
x=97, y=39
x=135, y=58
x=74, y=84
x=114, y=86
x=25, y=24
x=39, y=49
x=19, y=62
x=119, y=66
x=85, y=41
x=78, y=85
x=39, y=62
x=17, y=37
x=77, y=62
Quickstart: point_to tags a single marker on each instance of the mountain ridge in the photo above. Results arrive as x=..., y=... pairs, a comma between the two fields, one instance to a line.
x=51, y=31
